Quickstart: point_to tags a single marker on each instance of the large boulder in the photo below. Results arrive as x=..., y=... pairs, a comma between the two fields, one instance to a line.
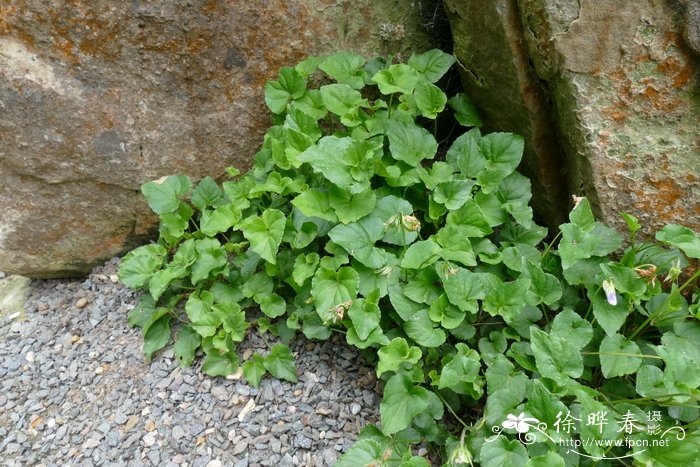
x=615, y=82
x=98, y=97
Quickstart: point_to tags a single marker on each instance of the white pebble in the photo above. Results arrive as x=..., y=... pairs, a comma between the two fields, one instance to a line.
x=214, y=463
x=246, y=410
x=149, y=440
x=114, y=278
x=231, y=435
x=30, y=357
x=99, y=370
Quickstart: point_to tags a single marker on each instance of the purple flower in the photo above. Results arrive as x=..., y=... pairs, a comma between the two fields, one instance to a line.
x=609, y=288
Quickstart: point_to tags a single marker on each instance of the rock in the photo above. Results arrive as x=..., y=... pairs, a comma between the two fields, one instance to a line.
x=619, y=80
x=13, y=291
x=81, y=303
x=133, y=91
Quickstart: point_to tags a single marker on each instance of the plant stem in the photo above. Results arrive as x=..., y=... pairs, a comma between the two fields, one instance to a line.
x=449, y=407
x=622, y=354
x=689, y=281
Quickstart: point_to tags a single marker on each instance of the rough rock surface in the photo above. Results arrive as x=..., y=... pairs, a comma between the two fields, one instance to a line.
x=622, y=82
x=97, y=97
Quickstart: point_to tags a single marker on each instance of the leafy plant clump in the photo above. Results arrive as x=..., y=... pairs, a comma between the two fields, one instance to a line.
x=356, y=218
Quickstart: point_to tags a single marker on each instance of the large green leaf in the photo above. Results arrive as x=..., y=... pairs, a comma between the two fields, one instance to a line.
x=503, y=152
x=555, y=357
x=619, y=356
x=211, y=259
x=453, y=194
x=508, y=299
x=430, y=99
x=397, y=78
x=186, y=344
x=421, y=329
x=254, y=370
x=462, y=287
x=396, y=353
x=336, y=159
x=465, y=110
x=409, y=142
x=682, y=238
x=465, y=154
x=280, y=363
x=402, y=401
x=461, y=371
x=265, y=233
x=164, y=195
x=207, y=193
x=157, y=336
x=341, y=98
x=544, y=286
x=351, y=207
x=220, y=220
x=358, y=240
x=503, y=453
x=314, y=203
x=198, y=309
x=421, y=254
x=396, y=214
x=365, y=317
x=220, y=364
x=331, y=289
x=346, y=68
x=433, y=64
x=140, y=264
x=290, y=85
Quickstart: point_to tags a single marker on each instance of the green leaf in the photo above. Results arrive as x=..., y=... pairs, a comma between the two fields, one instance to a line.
x=453, y=194
x=508, y=299
x=311, y=104
x=503, y=152
x=346, y=68
x=680, y=357
x=186, y=344
x=577, y=244
x=358, y=240
x=396, y=353
x=341, y=98
x=350, y=208
x=546, y=287
x=272, y=305
x=254, y=370
x=424, y=286
x=439, y=172
x=290, y=85
x=448, y=315
x=164, y=195
x=632, y=222
x=463, y=368
x=365, y=317
x=397, y=78
x=160, y=280
x=550, y=459
x=409, y=142
x=198, y=309
x=430, y=99
x=257, y=284
x=212, y=258
x=304, y=267
x=465, y=110
x=207, y=194
x=421, y=254
x=337, y=160
x=145, y=313
x=469, y=220
x=610, y=317
x=218, y=364
x=393, y=213
x=433, y=64
x=220, y=220
x=465, y=154
x=365, y=452
x=462, y=287
x=401, y=403
x=572, y=329
x=232, y=318
x=555, y=358
x=265, y=233
x=503, y=453
x=314, y=203
x=421, y=329
x=682, y=238
x=139, y=265
x=280, y=363
x=618, y=356
x=333, y=288
x=157, y=336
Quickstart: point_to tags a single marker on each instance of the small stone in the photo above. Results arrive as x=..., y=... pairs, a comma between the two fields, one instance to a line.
x=177, y=433
x=214, y=463
x=250, y=405
x=247, y=353
x=178, y=459
x=149, y=440
x=150, y=425
x=231, y=435
x=236, y=376
x=355, y=408
x=131, y=423
x=297, y=393
x=30, y=357
x=74, y=339
x=220, y=393
x=322, y=435
x=114, y=278
x=81, y=303
x=99, y=370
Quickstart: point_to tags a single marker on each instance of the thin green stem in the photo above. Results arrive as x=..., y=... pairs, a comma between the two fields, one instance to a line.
x=689, y=281
x=449, y=407
x=550, y=245
x=622, y=354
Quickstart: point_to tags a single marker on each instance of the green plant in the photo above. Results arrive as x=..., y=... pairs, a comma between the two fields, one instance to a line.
x=356, y=219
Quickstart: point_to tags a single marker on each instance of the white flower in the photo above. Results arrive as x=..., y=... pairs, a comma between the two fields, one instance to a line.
x=520, y=423
x=609, y=288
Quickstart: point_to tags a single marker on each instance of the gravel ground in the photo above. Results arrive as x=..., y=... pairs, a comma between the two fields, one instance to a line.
x=77, y=390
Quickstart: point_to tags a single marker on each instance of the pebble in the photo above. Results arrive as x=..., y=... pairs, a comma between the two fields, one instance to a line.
x=83, y=393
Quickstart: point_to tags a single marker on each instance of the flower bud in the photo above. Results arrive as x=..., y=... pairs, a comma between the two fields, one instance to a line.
x=609, y=288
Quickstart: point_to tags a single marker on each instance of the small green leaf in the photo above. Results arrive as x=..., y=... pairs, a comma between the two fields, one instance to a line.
x=463, y=368
x=358, y=240
x=272, y=305
x=682, y=238
x=346, y=68
x=145, y=313
x=280, y=363
x=430, y=99
x=397, y=78
x=290, y=85
x=610, y=317
x=336, y=159
x=211, y=259
x=503, y=453
x=160, y=280
x=314, y=203
x=396, y=353
x=350, y=208
x=619, y=356
x=186, y=344
x=572, y=329
x=503, y=152
x=220, y=220
x=421, y=329
x=232, y=318
x=157, y=336
x=340, y=98
x=304, y=267
x=402, y=401
x=410, y=143
x=462, y=287
x=164, y=195
x=207, y=194
x=218, y=364
x=333, y=288
x=453, y=194
x=465, y=110
x=265, y=233
x=421, y=254
x=433, y=64
x=254, y=370
x=546, y=287
x=465, y=154
x=363, y=453
x=555, y=358
x=632, y=222
x=365, y=317
x=140, y=264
